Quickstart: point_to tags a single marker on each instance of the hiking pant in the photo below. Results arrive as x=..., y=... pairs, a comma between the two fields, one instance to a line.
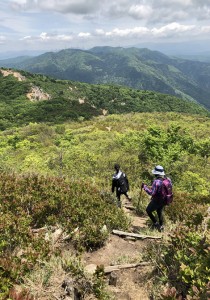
x=118, y=194
x=157, y=206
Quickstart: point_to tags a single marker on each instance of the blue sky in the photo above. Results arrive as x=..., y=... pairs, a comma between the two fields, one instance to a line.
x=51, y=25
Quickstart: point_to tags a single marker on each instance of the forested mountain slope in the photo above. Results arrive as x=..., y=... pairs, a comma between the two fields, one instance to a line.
x=137, y=68
x=26, y=98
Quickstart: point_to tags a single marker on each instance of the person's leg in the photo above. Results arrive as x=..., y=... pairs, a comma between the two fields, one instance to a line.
x=118, y=199
x=150, y=209
x=160, y=215
x=126, y=195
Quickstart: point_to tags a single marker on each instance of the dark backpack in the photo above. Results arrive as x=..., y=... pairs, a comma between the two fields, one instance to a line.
x=122, y=183
x=167, y=194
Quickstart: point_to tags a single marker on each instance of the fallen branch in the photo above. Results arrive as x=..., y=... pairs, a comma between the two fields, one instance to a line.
x=135, y=235
x=37, y=230
x=110, y=269
x=67, y=237
x=129, y=206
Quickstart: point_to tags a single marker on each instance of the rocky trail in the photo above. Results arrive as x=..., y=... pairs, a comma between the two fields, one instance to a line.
x=131, y=283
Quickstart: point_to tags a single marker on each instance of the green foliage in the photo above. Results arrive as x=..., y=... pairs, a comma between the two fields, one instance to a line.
x=183, y=208
x=174, y=148
x=75, y=161
x=79, y=101
x=184, y=263
x=99, y=284
x=44, y=201
x=33, y=201
x=166, y=145
x=12, y=89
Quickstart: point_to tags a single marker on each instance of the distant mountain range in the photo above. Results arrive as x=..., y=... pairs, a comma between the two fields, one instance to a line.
x=141, y=69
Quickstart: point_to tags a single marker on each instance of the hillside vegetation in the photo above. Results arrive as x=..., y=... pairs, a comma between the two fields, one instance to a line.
x=60, y=174
x=141, y=69
x=22, y=95
x=59, y=140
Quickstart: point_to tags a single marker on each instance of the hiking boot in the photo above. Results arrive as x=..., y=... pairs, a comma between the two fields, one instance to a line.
x=155, y=226
x=119, y=204
x=161, y=229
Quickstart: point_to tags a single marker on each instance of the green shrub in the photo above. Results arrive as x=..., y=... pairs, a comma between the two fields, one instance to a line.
x=183, y=262
x=32, y=201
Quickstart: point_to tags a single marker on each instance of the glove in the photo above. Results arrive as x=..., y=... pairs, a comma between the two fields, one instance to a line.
x=142, y=185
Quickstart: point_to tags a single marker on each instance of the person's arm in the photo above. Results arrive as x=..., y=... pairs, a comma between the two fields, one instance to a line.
x=153, y=190
x=113, y=185
x=127, y=182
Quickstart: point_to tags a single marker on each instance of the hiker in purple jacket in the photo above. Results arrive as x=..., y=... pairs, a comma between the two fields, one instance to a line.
x=157, y=202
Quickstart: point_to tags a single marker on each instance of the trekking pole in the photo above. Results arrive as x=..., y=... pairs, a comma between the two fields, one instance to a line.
x=137, y=209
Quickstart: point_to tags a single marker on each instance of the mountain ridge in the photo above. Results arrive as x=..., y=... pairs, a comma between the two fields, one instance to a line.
x=133, y=67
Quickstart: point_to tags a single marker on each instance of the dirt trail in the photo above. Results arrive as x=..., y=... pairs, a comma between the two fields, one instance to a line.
x=132, y=284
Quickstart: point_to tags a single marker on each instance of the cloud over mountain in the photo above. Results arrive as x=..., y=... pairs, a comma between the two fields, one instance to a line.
x=88, y=23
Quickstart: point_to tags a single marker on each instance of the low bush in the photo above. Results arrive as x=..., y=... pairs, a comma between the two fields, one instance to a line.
x=32, y=201
x=183, y=264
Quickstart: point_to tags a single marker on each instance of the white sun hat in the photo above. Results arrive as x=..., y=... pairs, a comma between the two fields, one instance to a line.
x=158, y=170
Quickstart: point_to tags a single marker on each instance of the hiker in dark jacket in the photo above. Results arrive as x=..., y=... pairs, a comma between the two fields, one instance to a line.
x=120, y=182
x=157, y=202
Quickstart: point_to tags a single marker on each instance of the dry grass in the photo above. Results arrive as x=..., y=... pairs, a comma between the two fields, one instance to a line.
x=45, y=281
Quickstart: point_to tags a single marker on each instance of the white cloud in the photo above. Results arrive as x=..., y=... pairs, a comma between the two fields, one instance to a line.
x=205, y=29
x=100, y=32
x=172, y=29
x=2, y=39
x=55, y=37
x=64, y=6
x=167, y=31
x=44, y=36
x=166, y=3
x=136, y=31
x=118, y=22
x=140, y=11
x=84, y=34
x=28, y=37
x=149, y=11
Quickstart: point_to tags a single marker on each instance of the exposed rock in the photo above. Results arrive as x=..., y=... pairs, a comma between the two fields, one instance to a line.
x=15, y=74
x=104, y=229
x=71, y=292
x=113, y=278
x=90, y=268
x=104, y=112
x=81, y=101
x=36, y=94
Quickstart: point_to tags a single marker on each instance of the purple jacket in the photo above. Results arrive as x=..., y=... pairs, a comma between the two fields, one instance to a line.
x=155, y=190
